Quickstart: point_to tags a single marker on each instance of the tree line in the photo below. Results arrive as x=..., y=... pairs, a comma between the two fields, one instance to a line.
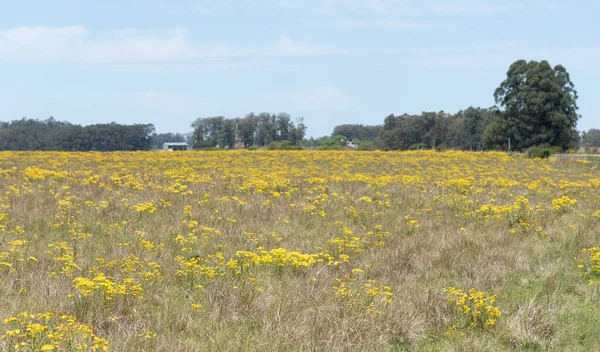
x=357, y=132
x=466, y=130
x=31, y=134
x=251, y=130
x=536, y=106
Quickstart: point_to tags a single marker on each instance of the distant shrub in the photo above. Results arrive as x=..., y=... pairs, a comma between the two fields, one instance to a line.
x=287, y=145
x=332, y=147
x=252, y=147
x=542, y=152
x=274, y=146
x=417, y=146
x=365, y=145
x=283, y=145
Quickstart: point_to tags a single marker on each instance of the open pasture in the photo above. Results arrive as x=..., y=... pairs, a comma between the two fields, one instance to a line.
x=304, y=250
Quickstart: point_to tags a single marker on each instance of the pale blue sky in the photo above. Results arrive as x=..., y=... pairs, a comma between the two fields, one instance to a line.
x=168, y=62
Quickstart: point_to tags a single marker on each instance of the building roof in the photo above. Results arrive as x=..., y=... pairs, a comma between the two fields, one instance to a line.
x=175, y=143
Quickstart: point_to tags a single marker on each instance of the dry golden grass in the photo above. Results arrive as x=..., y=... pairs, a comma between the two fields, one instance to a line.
x=271, y=251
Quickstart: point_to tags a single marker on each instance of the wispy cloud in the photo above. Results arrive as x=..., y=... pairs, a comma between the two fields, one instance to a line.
x=372, y=13
x=357, y=7
x=172, y=50
x=289, y=47
x=414, y=7
x=75, y=44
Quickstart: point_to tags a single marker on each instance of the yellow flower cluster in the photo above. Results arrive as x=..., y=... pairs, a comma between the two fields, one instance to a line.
x=589, y=264
x=563, y=204
x=49, y=332
x=355, y=291
x=16, y=256
x=197, y=270
x=276, y=258
x=64, y=255
x=147, y=207
x=350, y=243
x=475, y=306
x=126, y=278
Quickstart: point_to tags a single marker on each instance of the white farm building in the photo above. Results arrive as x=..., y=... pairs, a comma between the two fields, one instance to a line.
x=175, y=146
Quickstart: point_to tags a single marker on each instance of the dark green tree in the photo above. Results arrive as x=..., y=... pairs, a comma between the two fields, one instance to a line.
x=199, y=134
x=472, y=122
x=493, y=137
x=228, y=133
x=267, y=129
x=284, y=126
x=357, y=132
x=207, y=132
x=540, y=105
x=247, y=127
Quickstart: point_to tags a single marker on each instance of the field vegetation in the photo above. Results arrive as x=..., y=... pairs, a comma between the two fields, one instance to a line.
x=298, y=250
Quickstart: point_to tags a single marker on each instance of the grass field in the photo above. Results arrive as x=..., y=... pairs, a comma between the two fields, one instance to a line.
x=297, y=251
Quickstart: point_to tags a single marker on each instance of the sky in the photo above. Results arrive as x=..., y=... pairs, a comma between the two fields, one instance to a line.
x=168, y=62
